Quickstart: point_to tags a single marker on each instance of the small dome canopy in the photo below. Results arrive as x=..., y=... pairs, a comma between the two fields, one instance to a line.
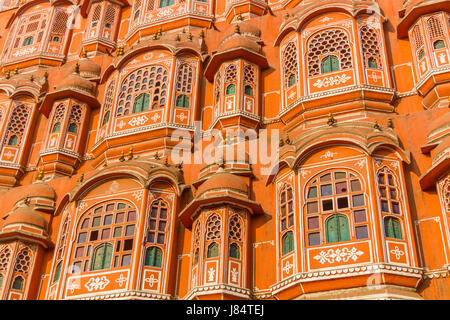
x=38, y=189
x=223, y=180
x=24, y=214
x=89, y=68
x=241, y=35
x=74, y=81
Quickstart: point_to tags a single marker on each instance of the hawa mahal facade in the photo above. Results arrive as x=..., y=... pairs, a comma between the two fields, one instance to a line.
x=352, y=94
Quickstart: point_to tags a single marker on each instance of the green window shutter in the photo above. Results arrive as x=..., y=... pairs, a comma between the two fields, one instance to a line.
x=106, y=118
x=397, y=228
x=440, y=44
x=73, y=128
x=231, y=89
x=102, y=257
x=18, y=283
x=56, y=127
x=288, y=242
x=213, y=250
x=373, y=63
x=13, y=140
x=292, y=80
x=57, y=272
x=182, y=101
x=344, y=232
x=1, y=280
x=153, y=257
x=141, y=103
x=334, y=63
x=234, y=251
x=332, y=230
x=326, y=65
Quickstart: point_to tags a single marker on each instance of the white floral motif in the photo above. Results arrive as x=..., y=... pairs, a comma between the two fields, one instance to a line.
x=181, y=116
x=304, y=173
x=328, y=155
x=73, y=285
x=234, y=275
x=97, y=283
x=151, y=281
x=211, y=273
x=397, y=252
x=287, y=267
x=138, y=121
x=339, y=255
x=121, y=280
x=331, y=81
x=156, y=117
x=361, y=163
x=82, y=205
x=138, y=195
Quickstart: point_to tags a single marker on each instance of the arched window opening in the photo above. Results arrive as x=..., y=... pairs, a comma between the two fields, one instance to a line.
x=435, y=29
x=330, y=64
x=213, y=250
x=13, y=141
x=392, y=228
x=153, y=257
x=248, y=90
x=18, y=283
x=56, y=127
x=287, y=242
x=292, y=80
x=372, y=63
x=102, y=257
x=57, y=272
x=151, y=81
x=231, y=89
x=106, y=118
x=439, y=44
x=182, y=101
x=324, y=44
x=157, y=223
x=105, y=237
x=73, y=128
x=286, y=208
x=165, y=3
x=142, y=103
x=290, y=64
x=234, y=251
x=332, y=198
x=28, y=41
x=388, y=192
x=337, y=229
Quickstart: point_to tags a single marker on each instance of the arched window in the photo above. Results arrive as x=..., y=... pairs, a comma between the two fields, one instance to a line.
x=5, y=257
x=372, y=63
x=388, y=192
x=157, y=223
x=446, y=195
x=56, y=127
x=17, y=125
x=286, y=208
x=137, y=10
x=57, y=274
x=249, y=80
x=76, y=114
x=102, y=257
x=337, y=229
x=153, y=257
x=329, y=64
x=290, y=64
x=421, y=54
x=325, y=43
x=182, y=101
x=196, y=242
x=13, y=140
x=330, y=197
x=213, y=250
x=248, y=90
x=371, y=47
x=217, y=86
x=165, y=3
x=392, y=228
x=234, y=251
x=435, y=28
x=28, y=41
x=287, y=242
x=106, y=118
x=141, y=103
x=151, y=80
x=231, y=89
x=230, y=79
x=107, y=226
x=73, y=128
x=185, y=82
x=439, y=44
x=18, y=283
